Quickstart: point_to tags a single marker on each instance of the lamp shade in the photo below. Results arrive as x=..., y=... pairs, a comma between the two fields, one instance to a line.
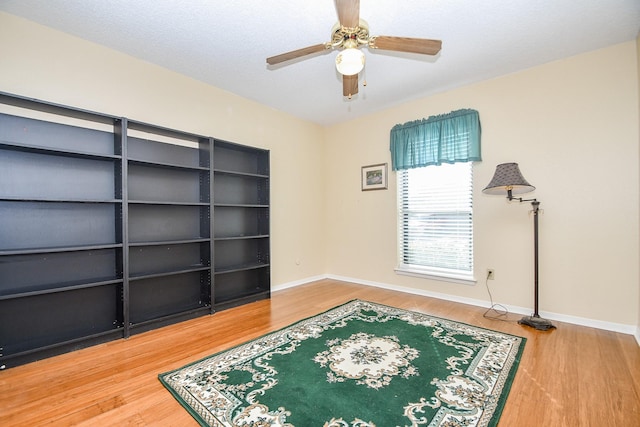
x=350, y=61
x=508, y=178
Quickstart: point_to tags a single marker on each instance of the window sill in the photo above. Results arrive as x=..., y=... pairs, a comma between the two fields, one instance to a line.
x=432, y=275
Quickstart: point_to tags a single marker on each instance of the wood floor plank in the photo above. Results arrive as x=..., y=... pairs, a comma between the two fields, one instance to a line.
x=572, y=376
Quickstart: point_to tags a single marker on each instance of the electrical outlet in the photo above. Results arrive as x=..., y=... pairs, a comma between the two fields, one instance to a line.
x=490, y=274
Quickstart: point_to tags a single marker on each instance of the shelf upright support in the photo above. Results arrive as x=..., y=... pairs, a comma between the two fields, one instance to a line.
x=210, y=159
x=121, y=133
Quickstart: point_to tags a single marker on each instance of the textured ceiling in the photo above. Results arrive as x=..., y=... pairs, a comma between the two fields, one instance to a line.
x=225, y=42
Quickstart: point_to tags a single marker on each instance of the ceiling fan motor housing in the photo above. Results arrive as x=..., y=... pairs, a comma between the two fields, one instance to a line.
x=341, y=35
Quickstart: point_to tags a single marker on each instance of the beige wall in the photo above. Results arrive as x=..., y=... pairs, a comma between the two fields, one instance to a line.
x=41, y=63
x=638, y=58
x=572, y=125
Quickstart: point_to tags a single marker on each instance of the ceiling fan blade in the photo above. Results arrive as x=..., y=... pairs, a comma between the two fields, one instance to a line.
x=348, y=12
x=296, y=54
x=349, y=85
x=407, y=44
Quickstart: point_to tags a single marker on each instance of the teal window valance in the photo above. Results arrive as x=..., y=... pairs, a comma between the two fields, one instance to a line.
x=446, y=138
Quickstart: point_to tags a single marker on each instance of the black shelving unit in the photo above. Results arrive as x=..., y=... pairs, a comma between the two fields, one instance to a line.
x=169, y=226
x=61, y=247
x=241, y=228
x=107, y=228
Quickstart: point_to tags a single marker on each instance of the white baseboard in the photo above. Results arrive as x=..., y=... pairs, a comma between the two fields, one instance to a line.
x=295, y=283
x=582, y=321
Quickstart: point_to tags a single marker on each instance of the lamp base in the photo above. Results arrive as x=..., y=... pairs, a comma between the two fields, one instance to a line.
x=537, y=322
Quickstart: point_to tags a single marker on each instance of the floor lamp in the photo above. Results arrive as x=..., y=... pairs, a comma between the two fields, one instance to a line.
x=508, y=181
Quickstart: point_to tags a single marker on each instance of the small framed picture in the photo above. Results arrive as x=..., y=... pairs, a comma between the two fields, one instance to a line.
x=374, y=177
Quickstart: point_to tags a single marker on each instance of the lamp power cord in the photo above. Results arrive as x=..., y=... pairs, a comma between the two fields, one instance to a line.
x=495, y=311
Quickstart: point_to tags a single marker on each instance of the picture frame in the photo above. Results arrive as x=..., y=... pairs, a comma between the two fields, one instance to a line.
x=374, y=177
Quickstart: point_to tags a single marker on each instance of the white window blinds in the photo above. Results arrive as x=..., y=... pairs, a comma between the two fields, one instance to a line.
x=435, y=219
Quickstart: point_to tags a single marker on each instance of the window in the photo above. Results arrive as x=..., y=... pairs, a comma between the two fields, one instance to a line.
x=435, y=220
x=433, y=158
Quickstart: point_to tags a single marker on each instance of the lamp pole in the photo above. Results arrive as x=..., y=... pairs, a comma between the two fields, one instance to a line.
x=535, y=321
x=536, y=205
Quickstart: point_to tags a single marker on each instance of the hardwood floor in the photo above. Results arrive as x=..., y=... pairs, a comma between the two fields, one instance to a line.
x=571, y=376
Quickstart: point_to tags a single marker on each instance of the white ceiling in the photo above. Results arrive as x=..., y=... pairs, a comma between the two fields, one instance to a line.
x=225, y=42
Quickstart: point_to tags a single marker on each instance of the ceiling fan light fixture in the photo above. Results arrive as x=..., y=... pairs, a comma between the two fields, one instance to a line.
x=350, y=61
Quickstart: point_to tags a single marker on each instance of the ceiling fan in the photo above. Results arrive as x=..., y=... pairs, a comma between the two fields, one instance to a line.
x=349, y=34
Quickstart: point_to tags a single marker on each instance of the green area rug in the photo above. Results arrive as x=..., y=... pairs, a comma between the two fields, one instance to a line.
x=360, y=364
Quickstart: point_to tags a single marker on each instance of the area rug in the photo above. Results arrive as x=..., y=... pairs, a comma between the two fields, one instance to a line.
x=361, y=364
